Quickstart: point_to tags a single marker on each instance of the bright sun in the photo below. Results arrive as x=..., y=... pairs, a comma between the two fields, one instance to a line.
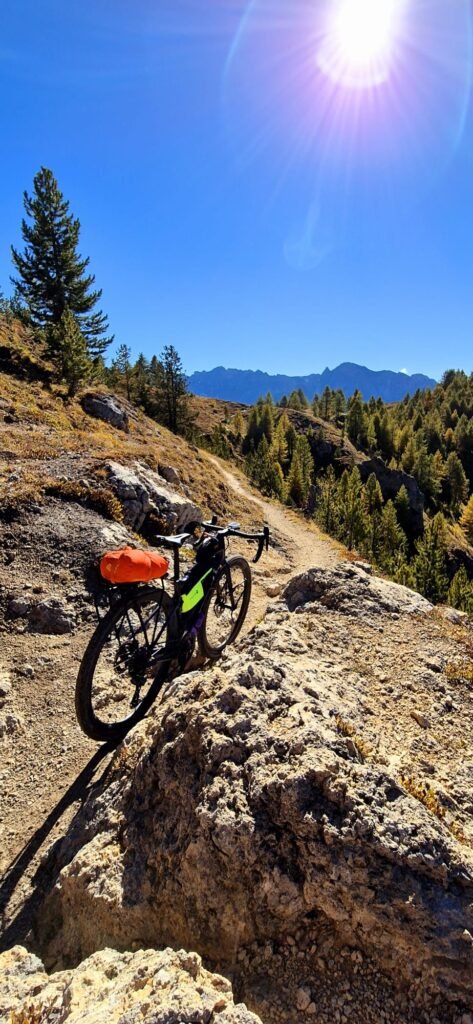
x=359, y=41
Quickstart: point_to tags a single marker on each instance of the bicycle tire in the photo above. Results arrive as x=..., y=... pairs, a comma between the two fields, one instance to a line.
x=104, y=665
x=219, y=615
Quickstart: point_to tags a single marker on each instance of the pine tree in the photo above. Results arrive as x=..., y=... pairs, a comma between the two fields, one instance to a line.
x=51, y=274
x=140, y=374
x=306, y=460
x=466, y=520
x=339, y=402
x=74, y=365
x=457, y=482
x=373, y=500
x=326, y=403
x=171, y=400
x=280, y=446
x=373, y=494
x=267, y=420
x=123, y=366
x=409, y=456
x=326, y=512
x=297, y=488
x=316, y=405
x=357, y=423
x=254, y=431
x=430, y=561
x=238, y=426
x=393, y=542
x=438, y=470
x=291, y=438
x=460, y=592
x=403, y=507
x=354, y=523
x=426, y=473
x=219, y=443
x=371, y=437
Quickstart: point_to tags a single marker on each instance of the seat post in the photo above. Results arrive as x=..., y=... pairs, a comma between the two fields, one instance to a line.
x=176, y=564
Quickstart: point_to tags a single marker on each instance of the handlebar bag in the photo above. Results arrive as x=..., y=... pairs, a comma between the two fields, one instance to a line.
x=131, y=565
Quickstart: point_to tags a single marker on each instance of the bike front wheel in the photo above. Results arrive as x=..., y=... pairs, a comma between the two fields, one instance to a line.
x=124, y=665
x=227, y=606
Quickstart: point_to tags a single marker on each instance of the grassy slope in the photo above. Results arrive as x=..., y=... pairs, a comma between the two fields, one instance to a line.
x=47, y=431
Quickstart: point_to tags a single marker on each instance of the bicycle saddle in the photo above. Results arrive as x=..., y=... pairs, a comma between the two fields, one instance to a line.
x=174, y=541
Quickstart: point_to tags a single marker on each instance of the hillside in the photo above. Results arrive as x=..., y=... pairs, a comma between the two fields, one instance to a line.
x=298, y=815
x=248, y=385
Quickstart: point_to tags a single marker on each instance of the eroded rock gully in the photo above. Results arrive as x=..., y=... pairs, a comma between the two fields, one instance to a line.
x=259, y=817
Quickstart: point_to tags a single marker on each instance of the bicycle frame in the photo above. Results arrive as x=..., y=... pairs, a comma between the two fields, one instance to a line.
x=189, y=606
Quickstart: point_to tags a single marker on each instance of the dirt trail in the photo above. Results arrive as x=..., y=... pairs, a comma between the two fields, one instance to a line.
x=296, y=543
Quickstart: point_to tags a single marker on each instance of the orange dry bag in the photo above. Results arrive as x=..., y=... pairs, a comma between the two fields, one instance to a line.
x=130, y=565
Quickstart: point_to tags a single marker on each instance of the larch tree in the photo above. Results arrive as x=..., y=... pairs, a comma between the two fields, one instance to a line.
x=297, y=488
x=353, y=517
x=326, y=511
x=52, y=276
x=466, y=521
x=393, y=542
x=457, y=482
x=430, y=561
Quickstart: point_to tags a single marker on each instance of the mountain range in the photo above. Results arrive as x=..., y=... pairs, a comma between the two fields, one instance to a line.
x=248, y=385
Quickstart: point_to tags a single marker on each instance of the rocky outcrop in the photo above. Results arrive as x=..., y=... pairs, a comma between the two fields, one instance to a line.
x=50, y=616
x=146, y=987
x=250, y=809
x=107, y=408
x=328, y=448
x=142, y=491
x=170, y=474
x=350, y=587
x=390, y=481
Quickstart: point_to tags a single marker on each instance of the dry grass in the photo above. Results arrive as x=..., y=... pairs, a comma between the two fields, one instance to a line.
x=99, y=499
x=423, y=792
x=460, y=671
x=30, y=1014
x=52, y=437
x=213, y=412
x=361, y=747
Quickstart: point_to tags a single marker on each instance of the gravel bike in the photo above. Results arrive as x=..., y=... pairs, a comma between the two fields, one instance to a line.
x=148, y=635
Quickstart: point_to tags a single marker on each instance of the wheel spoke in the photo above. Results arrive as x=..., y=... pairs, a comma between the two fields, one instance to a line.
x=127, y=661
x=227, y=606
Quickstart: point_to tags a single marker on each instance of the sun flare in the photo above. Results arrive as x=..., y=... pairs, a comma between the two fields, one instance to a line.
x=360, y=39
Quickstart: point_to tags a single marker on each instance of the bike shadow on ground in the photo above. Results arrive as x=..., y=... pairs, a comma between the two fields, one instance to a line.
x=15, y=928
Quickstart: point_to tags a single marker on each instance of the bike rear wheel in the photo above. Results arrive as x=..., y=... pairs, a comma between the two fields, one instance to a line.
x=124, y=665
x=227, y=606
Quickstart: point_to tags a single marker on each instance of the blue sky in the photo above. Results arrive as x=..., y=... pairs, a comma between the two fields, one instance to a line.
x=238, y=201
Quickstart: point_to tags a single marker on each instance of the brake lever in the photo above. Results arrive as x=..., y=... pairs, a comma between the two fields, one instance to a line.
x=263, y=543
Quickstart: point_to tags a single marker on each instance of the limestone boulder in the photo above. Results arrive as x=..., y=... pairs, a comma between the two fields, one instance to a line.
x=352, y=588
x=145, y=987
x=107, y=408
x=246, y=809
x=142, y=491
